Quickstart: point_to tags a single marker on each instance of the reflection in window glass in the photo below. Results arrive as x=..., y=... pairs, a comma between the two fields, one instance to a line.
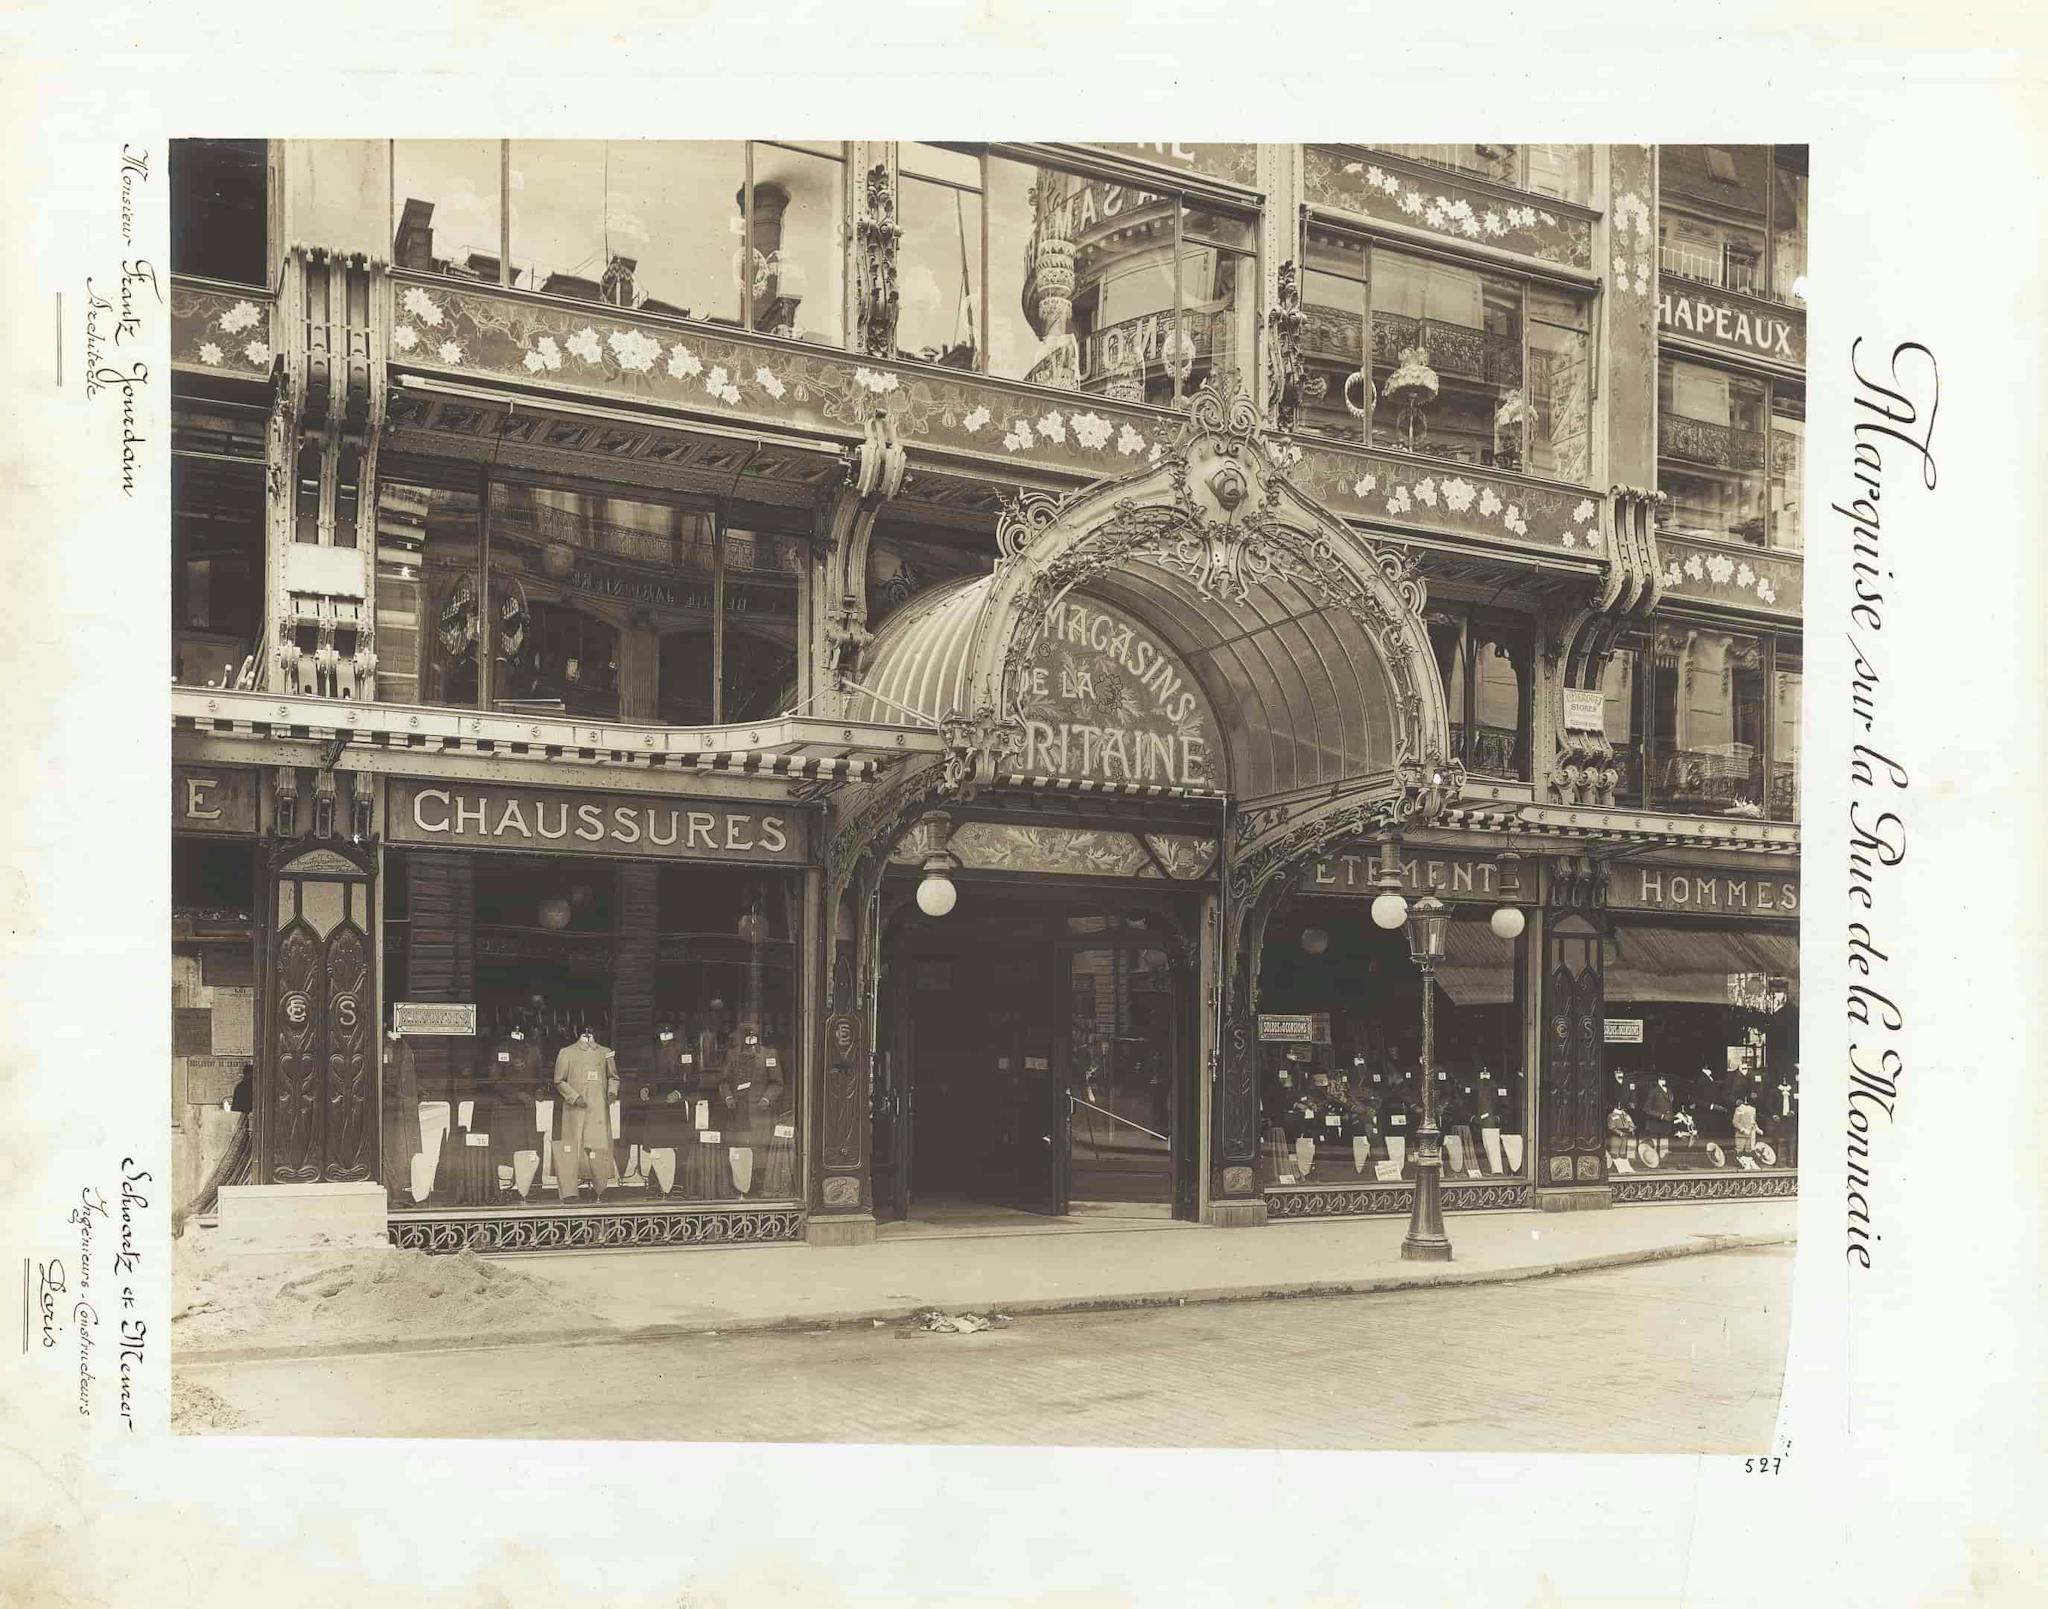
x=448, y=215
x=340, y=195
x=1788, y=224
x=1710, y=722
x=1622, y=720
x=939, y=272
x=1712, y=210
x=1710, y=450
x=1563, y=171
x=1560, y=387
x=1785, y=694
x=1788, y=461
x=1332, y=333
x=798, y=262
x=217, y=547
x=1447, y=360
x=1344, y=1103
x=429, y=596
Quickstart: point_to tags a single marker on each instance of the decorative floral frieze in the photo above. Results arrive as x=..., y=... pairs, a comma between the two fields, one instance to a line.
x=1459, y=498
x=1635, y=241
x=1772, y=580
x=691, y=367
x=228, y=331
x=1422, y=199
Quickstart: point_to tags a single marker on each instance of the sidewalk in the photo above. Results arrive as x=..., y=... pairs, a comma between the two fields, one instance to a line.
x=640, y=1295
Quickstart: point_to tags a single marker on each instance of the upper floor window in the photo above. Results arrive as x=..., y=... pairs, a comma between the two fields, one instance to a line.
x=1729, y=450
x=1033, y=273
x=1562, y=171
x=1482, y=367
x=1705, y=721
x=220, y=210
x=1734, y=216
x=1485, y=663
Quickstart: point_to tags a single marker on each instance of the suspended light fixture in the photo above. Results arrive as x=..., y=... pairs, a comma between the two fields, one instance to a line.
x=1507, y=921
x=1389, y=907
x=936, y=895
x=1314, y=940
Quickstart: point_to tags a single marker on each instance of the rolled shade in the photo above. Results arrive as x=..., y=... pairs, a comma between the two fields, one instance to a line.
x=1646, y=962
x=1478, y=968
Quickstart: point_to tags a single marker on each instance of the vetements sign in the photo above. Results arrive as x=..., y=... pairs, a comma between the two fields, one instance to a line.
x=456, y=815
x=1449, y=877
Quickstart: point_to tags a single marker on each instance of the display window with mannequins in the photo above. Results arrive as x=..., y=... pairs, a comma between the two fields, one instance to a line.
x=634, y=1024
x=1702, y=1052
x=1341, y=1075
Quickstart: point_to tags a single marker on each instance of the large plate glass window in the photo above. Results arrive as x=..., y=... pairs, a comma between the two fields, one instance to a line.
x=1705, y=721
x=1484, y=663
x=217, y=548
x=1734, y=217
x=219, y=210
x=1730, y=450
x=1563, y=171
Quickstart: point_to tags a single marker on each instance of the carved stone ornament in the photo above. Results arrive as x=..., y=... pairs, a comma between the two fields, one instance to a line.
x=876, y=236
x=1285, y=320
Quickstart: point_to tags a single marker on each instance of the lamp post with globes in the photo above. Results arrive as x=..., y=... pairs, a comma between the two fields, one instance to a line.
x=1428, y=925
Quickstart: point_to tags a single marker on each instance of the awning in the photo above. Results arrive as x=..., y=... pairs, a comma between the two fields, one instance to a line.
x=1478, y=968
x=1647, y=962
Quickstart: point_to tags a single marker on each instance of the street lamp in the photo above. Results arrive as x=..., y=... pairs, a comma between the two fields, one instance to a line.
x=1429, y=924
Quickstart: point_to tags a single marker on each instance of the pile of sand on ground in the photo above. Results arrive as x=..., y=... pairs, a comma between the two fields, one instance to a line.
x=326, y=1298
x=196, y=1409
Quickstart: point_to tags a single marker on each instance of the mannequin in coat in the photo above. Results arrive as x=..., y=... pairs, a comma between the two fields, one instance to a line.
x=401, y=1113
x=587, y=1082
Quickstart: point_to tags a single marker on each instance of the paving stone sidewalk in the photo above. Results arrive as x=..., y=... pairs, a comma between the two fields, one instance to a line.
x=650, y=1294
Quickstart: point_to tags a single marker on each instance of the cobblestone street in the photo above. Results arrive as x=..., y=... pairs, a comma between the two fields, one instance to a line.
x=1675, y=1357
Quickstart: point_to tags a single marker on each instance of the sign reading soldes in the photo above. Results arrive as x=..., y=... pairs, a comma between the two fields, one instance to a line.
x=554, y=821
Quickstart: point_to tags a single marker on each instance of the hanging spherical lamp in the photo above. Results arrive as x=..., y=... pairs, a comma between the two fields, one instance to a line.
x=1507, y=922
x=554, y=914
x=1314, y=940
x=936, y=894
x=1389, y=911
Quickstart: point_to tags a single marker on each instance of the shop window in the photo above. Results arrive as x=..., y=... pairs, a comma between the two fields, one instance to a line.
x=220, y=210
x=684, y=974
x=1562, y=171
x=1707, y=1076
x=217, y=547
x=1708, y=721
x=1484, y=664
x=1711, y=450
x=429, y=590
x=1093, y=284
x=1340, y=1093
x=338, y=195
x=556, y=658
x=449, y=218
x=1788, y=465
x=1478, y=367
x=1624, y=720
x=736, y=232
x=1787, y=683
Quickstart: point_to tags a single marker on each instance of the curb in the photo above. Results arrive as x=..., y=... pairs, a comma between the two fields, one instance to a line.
x=1424, y=1278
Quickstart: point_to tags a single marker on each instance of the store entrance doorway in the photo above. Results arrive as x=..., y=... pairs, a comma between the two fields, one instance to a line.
x=1037, y=1058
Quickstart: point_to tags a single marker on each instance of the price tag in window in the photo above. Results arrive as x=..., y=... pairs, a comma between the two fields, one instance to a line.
x=770, y=1062
x=1287, y=1080
x=785, y=1131
x=686, y=1060
x=504, y=1055
x=708, y=1137
x=1322, y=1080
x=1287, y=1178
x=1503, y=1094
x=1333, y=1121
x=1399, y=1120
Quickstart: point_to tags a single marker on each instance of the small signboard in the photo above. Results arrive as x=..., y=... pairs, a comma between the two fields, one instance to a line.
x=1585, y=710
x=1295, y=1028
x=1624, y=1030
x=419, y=1018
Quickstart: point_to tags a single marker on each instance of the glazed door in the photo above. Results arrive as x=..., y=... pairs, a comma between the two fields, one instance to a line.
x=320, y=1109
x=1572, y=1123
x=1114, y=1142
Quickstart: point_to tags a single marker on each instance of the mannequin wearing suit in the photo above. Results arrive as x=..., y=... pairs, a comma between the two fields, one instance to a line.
x=587, y=1081
x=513, y=1072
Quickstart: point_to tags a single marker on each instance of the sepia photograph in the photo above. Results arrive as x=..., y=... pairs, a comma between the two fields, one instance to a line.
x=990, y=793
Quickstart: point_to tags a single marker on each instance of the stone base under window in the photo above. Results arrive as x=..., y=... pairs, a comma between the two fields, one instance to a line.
x=1389, y=1200
x=594, y=1229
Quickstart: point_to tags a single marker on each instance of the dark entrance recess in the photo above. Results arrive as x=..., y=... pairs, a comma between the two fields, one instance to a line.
x=1038, y=1052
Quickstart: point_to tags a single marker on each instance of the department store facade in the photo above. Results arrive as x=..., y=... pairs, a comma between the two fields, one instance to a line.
x=931, y=653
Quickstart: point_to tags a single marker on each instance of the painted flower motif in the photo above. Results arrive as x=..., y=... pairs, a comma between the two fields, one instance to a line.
x=1362, y=487
x=717, y=380
x=1570, y=541
x=1434, y=217
x=1091, y=430
x=1458, y=494
x=1583, y=512
x=1513, y=520
x=1549, y=222
x=1128, y=441
x=1373, y=175
x=975, y=420
x=450, y=352
x=1020, y=436
x=1765, y=591
x=1591, y=537
x=209, y=354
x=1286, y=456
x=421, y=306
x=1489, y=502
x=405, y=337
x=1695, y=567
x=1469, y=227
x=1053, y=427
x=238, y=318
x=1620, y=267
x=1397, y=500
x=1744, y=576
x=1426, y=490
x=1720, y=567
x=1492, y=223
x=766, y=380
x=729, y=394
x=1673, y=576
x=548, y=352
x=258, y=353
x=583, y=344
x=534, y=362
x=870, y=380
x=1642, y=279
x=683, y=364
x=1411, y=202
x=1153, y=456
x=635, y=350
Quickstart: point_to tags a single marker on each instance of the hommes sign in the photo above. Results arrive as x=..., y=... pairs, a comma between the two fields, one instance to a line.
x=1665, y=888
x=465, y=815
